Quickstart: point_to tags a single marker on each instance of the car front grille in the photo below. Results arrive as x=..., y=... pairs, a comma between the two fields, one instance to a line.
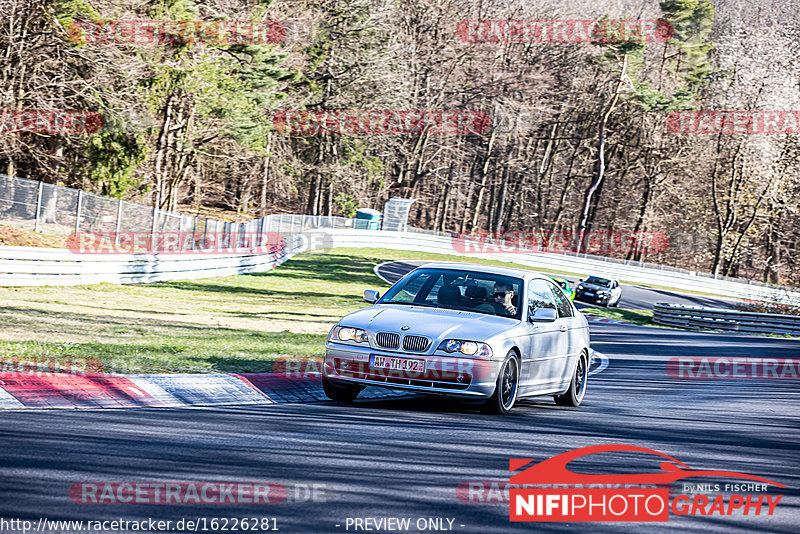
x=431, y=379
x=387, y=340
x=416, y=343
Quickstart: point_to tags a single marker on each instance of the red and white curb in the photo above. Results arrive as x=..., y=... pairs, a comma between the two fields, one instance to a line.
x=62, y=390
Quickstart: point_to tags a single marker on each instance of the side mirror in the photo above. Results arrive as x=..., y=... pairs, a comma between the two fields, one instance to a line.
x=371, y=295
x=543, y=315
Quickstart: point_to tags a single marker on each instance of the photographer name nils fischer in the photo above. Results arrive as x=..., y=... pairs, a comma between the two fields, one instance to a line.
x=400, y=524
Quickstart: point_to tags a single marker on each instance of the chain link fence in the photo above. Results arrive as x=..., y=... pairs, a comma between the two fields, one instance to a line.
x=62, y=211
x=56, y=210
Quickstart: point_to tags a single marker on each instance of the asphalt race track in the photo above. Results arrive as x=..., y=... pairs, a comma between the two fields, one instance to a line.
x=633, y=297
x=405, y=458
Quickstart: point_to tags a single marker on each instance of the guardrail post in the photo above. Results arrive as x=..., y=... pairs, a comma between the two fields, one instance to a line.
x=38, y=206
x=78, y=211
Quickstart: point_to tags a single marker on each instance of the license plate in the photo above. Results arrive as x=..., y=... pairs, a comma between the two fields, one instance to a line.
x=397, y=364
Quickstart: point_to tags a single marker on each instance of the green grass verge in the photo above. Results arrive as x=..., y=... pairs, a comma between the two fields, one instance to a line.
x=640, y=317
x=228, y=324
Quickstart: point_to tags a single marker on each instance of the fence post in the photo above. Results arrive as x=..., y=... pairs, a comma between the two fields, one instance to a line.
x=78, y=211
x=153, y=229
x=194, y=231
x=38, y=206
x=118, y=225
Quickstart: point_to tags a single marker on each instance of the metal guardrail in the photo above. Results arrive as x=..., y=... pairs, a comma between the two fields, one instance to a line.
x=727, y=320
x=609, y=259
x=20, y=266
x=34, y=266
x=558, y=262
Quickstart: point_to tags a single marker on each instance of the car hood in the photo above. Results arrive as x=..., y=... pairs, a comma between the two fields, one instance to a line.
x=437, y=324
x=595, y=287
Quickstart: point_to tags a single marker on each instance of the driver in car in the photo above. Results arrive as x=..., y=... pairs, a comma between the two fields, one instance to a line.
x=501, y=301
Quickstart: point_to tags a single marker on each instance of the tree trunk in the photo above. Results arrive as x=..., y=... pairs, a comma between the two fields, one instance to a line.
x=161, y=149
x=601, y=154
x=265, y=176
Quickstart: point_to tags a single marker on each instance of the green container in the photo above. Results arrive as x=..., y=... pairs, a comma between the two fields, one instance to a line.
x=368, y=219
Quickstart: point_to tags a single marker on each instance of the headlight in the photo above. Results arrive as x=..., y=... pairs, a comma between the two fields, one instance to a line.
x=343, y=333
x=470, y=348
x=580, y=286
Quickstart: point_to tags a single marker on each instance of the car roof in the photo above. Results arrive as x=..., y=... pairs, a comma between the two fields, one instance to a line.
x=604, y=277
x=491, y=269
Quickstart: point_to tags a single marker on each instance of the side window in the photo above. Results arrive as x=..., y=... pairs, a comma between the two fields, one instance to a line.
x=562, y=302
x=539, y=295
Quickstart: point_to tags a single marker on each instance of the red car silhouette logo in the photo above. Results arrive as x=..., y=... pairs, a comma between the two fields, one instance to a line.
x=554, y=470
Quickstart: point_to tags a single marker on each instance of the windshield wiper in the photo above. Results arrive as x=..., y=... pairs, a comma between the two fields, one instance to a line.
x=425, y=304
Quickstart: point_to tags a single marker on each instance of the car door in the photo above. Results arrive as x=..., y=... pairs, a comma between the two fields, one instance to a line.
x=573, y=329
x=542, y=365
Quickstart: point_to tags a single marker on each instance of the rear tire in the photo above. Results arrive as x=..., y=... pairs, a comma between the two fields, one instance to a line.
x=505, y=392
x=577, y=386
x=341, y=393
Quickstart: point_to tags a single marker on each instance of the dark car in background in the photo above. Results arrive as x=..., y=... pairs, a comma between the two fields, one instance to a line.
x=599, y=290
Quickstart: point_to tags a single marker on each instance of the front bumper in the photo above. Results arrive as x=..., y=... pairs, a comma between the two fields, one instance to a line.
x=462, y=377
x=597, y=299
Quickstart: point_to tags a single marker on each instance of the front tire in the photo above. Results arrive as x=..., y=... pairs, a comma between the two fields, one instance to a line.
x=341, y=393
x=505, y=392
x=577, y=386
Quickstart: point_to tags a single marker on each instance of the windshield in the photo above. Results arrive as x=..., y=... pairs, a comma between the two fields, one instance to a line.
x=598, y=281
x=453, y=289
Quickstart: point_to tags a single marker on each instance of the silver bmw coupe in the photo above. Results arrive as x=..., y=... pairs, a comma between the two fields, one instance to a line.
x=486, y=335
